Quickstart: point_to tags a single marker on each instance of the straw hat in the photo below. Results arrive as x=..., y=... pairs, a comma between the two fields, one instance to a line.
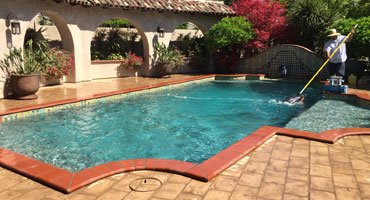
x=333, y=32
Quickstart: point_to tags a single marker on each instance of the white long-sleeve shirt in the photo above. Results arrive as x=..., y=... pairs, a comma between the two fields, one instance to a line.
x=341, y=55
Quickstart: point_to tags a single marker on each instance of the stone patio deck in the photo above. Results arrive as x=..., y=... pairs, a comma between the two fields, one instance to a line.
x=282, y=168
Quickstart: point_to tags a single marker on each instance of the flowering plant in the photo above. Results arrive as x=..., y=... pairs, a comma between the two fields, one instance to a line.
x=131, y=61
x=59, y=63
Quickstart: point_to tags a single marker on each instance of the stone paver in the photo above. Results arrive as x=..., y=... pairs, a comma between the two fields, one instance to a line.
x=320, y=195
x=297, y=162
x=197, y=187
x=299, y=188
x=217, y=195
x=251, y=180
x=278, y=165
x=256, y=167
x=169, y=190
x=320, y=170
x=244, y=192
x=225, y=183
x=322, y=183
x=320, y=160
x=282, y=168
x=347, y=193
x=272, y=176
x=271, y=191
x=298, y=174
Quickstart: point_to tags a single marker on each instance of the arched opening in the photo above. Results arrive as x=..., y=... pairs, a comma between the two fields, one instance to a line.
x=50, y=30
x=119, y=48
x=189, y=39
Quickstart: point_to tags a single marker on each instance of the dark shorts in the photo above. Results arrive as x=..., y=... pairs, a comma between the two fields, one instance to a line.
x=337, y=69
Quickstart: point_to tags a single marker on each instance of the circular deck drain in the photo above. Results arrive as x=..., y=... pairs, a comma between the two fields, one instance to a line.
x=147, y=184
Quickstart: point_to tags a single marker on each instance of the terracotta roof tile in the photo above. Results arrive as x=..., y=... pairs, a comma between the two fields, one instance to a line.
x=207, y=7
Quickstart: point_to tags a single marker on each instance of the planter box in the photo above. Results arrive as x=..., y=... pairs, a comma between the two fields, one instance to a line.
x=110, y=69
x=50, y=82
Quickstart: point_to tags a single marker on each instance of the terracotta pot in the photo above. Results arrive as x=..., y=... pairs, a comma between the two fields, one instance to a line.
x=25, y=86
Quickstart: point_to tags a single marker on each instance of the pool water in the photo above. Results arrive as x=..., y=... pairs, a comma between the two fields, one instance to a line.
x=191, y=123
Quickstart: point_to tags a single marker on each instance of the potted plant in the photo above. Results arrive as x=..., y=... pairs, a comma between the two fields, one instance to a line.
x=178, y=59
x=57, y=64
x=24, y=69
x=131, y=61
x=165, y=59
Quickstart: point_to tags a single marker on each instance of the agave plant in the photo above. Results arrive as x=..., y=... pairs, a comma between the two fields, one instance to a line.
x=166, y=55
x=310, y=18
x=28, y=61
x=38, y=40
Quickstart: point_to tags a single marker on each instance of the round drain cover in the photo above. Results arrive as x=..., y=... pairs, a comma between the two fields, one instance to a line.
x=145, y=184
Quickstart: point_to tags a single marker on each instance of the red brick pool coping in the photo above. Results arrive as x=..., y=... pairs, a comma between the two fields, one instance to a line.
x=67, y=182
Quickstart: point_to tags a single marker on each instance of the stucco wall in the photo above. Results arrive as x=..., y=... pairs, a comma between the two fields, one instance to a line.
x=77, y=26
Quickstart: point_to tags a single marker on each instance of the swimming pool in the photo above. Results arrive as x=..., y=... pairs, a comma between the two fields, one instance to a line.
x=191, y=124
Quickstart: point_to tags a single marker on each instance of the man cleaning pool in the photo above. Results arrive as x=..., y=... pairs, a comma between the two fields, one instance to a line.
x=336, y=42
x=337, y=61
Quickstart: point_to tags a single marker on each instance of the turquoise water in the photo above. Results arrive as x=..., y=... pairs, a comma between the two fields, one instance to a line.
x=191, y=124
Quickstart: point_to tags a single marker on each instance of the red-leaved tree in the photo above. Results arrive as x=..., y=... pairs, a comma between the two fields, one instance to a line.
x=268, y=21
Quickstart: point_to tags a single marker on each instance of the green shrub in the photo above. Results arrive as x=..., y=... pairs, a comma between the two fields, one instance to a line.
x=115, y=41
x=194, y=48
x=230, y=31
x=45, y=20
x=191, y=46
x=227, y=40
x=115, y=56
x=359, y=10
x=96, y=55
x=116, y=23
x=183, y=26
x=359, y=47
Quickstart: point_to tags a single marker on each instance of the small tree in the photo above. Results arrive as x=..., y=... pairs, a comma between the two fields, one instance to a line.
x=310, y=19
x=267, y=18
x=227, y=40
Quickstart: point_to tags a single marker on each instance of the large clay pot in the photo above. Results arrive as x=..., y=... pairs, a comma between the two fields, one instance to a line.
x=25, y=86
